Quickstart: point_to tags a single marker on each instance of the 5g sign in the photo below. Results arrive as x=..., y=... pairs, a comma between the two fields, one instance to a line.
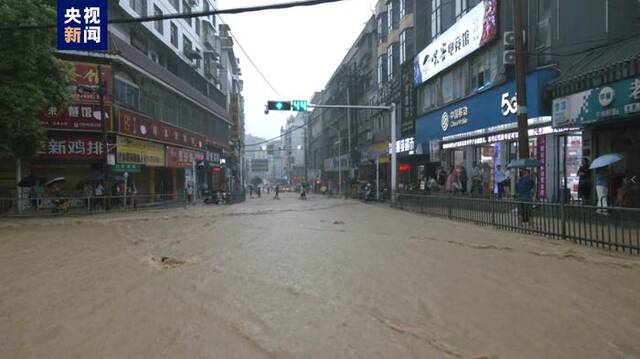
x=508, y=105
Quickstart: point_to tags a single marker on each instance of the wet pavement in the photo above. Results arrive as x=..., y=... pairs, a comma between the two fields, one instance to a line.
x=322, y=278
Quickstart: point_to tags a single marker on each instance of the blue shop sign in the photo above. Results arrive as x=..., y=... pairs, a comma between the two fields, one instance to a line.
x=490, y=111
x=614, y=101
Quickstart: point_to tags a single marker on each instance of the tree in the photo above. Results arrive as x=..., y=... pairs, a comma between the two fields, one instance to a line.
x=256, y=181
x=31, y=78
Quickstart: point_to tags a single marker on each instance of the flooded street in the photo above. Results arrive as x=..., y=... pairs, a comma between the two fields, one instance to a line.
x=323, y=278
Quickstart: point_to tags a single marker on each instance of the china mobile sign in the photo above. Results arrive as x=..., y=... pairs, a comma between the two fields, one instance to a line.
x=82, y=25
x=471, y=32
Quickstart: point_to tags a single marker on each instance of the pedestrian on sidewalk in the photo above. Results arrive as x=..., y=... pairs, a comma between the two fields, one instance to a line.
x=584, y=182
x=524, y=194
x=501, y=180
x=277, y=190
x=602, y=178
x=451, y=177
x=250, y=191
x=476, y=179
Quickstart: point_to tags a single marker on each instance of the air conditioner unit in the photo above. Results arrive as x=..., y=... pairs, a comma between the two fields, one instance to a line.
x=509, y=39
x=509, y=57
x=192, y=55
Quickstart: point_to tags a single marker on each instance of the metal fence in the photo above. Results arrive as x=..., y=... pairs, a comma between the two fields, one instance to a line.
x=48, y=206
x=613, y=228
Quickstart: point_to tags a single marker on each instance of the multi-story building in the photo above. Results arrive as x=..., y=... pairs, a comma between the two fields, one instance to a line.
x=466, y=85
x=377, y=70
x=295, y=148
x=173, y=104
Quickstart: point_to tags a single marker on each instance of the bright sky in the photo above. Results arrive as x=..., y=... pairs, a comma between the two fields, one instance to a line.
x=297, y=50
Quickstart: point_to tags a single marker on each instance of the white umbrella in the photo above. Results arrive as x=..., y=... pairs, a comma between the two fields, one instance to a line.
x=605, y=160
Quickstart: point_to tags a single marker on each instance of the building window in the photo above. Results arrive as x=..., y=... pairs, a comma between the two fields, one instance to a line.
x=406, y=45
x=159, y=25
x=484, y=70
x=175, y=4
x=127, y=92
x=187, y=10
x=402, y=5
x=139, y=6
x=382, y=28
x=436, y=25
x=392, y=15
x=197, y=26
x=454, y=84
x=382, y=69
x=392, y=60
x=174, y=35
x=187, y=45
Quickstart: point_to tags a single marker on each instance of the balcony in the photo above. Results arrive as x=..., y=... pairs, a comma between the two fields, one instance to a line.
x=210, y=38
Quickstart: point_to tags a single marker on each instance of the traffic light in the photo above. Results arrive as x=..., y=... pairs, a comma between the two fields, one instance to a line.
x=279, y=105
x=299, y=105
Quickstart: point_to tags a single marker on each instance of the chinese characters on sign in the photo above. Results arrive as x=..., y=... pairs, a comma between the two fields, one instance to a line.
x=468, y=34
x=72, y=148
x=142, y=126
x=82, y=25
x=182, y=157
x=542, y=174
x=82, y=117
x=404, y=145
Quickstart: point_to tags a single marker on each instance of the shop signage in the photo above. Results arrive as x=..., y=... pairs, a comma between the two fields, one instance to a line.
x=132, y=151
x=467, y=35
x=482, y=114
x=212, y=157
x=533, y=132
x=407, y=94
x=182, y=157
x=404, y=168
x=83, y=112
x=335, y=163
x=84, y=88
x=144, y=127
x=126, y=167
x=509, y=104
x=542, y=170
x=404, y=145
x=72, y=147
x=617, y=100
x=456, y=117
x=77, y=117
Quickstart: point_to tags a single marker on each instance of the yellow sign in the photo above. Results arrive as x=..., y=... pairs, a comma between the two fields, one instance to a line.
x=140, y=152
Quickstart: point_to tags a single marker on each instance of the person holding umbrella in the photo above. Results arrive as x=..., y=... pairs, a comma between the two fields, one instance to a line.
x=584, y=181
x=602, y=178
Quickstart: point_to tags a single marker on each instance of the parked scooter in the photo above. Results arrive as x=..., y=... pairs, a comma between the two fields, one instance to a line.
x=217, y=197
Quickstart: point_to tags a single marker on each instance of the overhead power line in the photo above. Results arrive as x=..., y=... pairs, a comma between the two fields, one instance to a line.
x=277, y=137
x=251, y=60
x=239, y=10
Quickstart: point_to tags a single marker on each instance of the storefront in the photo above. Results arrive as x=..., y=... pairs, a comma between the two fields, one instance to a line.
x=149, y=156
x=374, y=161
x=482, y=129
x=609, y=119
x=413, y=165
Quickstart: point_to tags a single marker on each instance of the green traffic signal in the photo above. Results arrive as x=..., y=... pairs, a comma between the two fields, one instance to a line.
x=279, y=105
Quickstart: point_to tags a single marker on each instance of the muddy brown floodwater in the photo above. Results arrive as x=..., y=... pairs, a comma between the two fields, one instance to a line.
x=323, y=278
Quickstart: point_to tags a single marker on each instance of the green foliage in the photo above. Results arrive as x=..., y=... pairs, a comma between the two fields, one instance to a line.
x=256, y=181
x=31, y=78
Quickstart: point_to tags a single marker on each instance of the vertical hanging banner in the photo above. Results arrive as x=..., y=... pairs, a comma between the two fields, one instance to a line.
x=82, y=25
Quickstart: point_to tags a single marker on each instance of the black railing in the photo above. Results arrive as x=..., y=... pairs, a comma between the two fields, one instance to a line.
x=613, y=228
x=45, y=206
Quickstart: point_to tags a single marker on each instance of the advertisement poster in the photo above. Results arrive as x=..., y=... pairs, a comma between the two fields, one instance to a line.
x=471, y=32
x=182, y=157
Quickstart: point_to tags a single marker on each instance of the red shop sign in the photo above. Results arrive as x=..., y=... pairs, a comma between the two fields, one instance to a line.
x=181, y=157
x=216, y=169
x=84, y=86
x=404, y=168
x=141, y=126
x=72, y=147
x=75, y=116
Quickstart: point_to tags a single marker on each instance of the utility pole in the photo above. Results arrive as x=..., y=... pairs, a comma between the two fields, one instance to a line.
x=521, y=85
x=103, y=118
